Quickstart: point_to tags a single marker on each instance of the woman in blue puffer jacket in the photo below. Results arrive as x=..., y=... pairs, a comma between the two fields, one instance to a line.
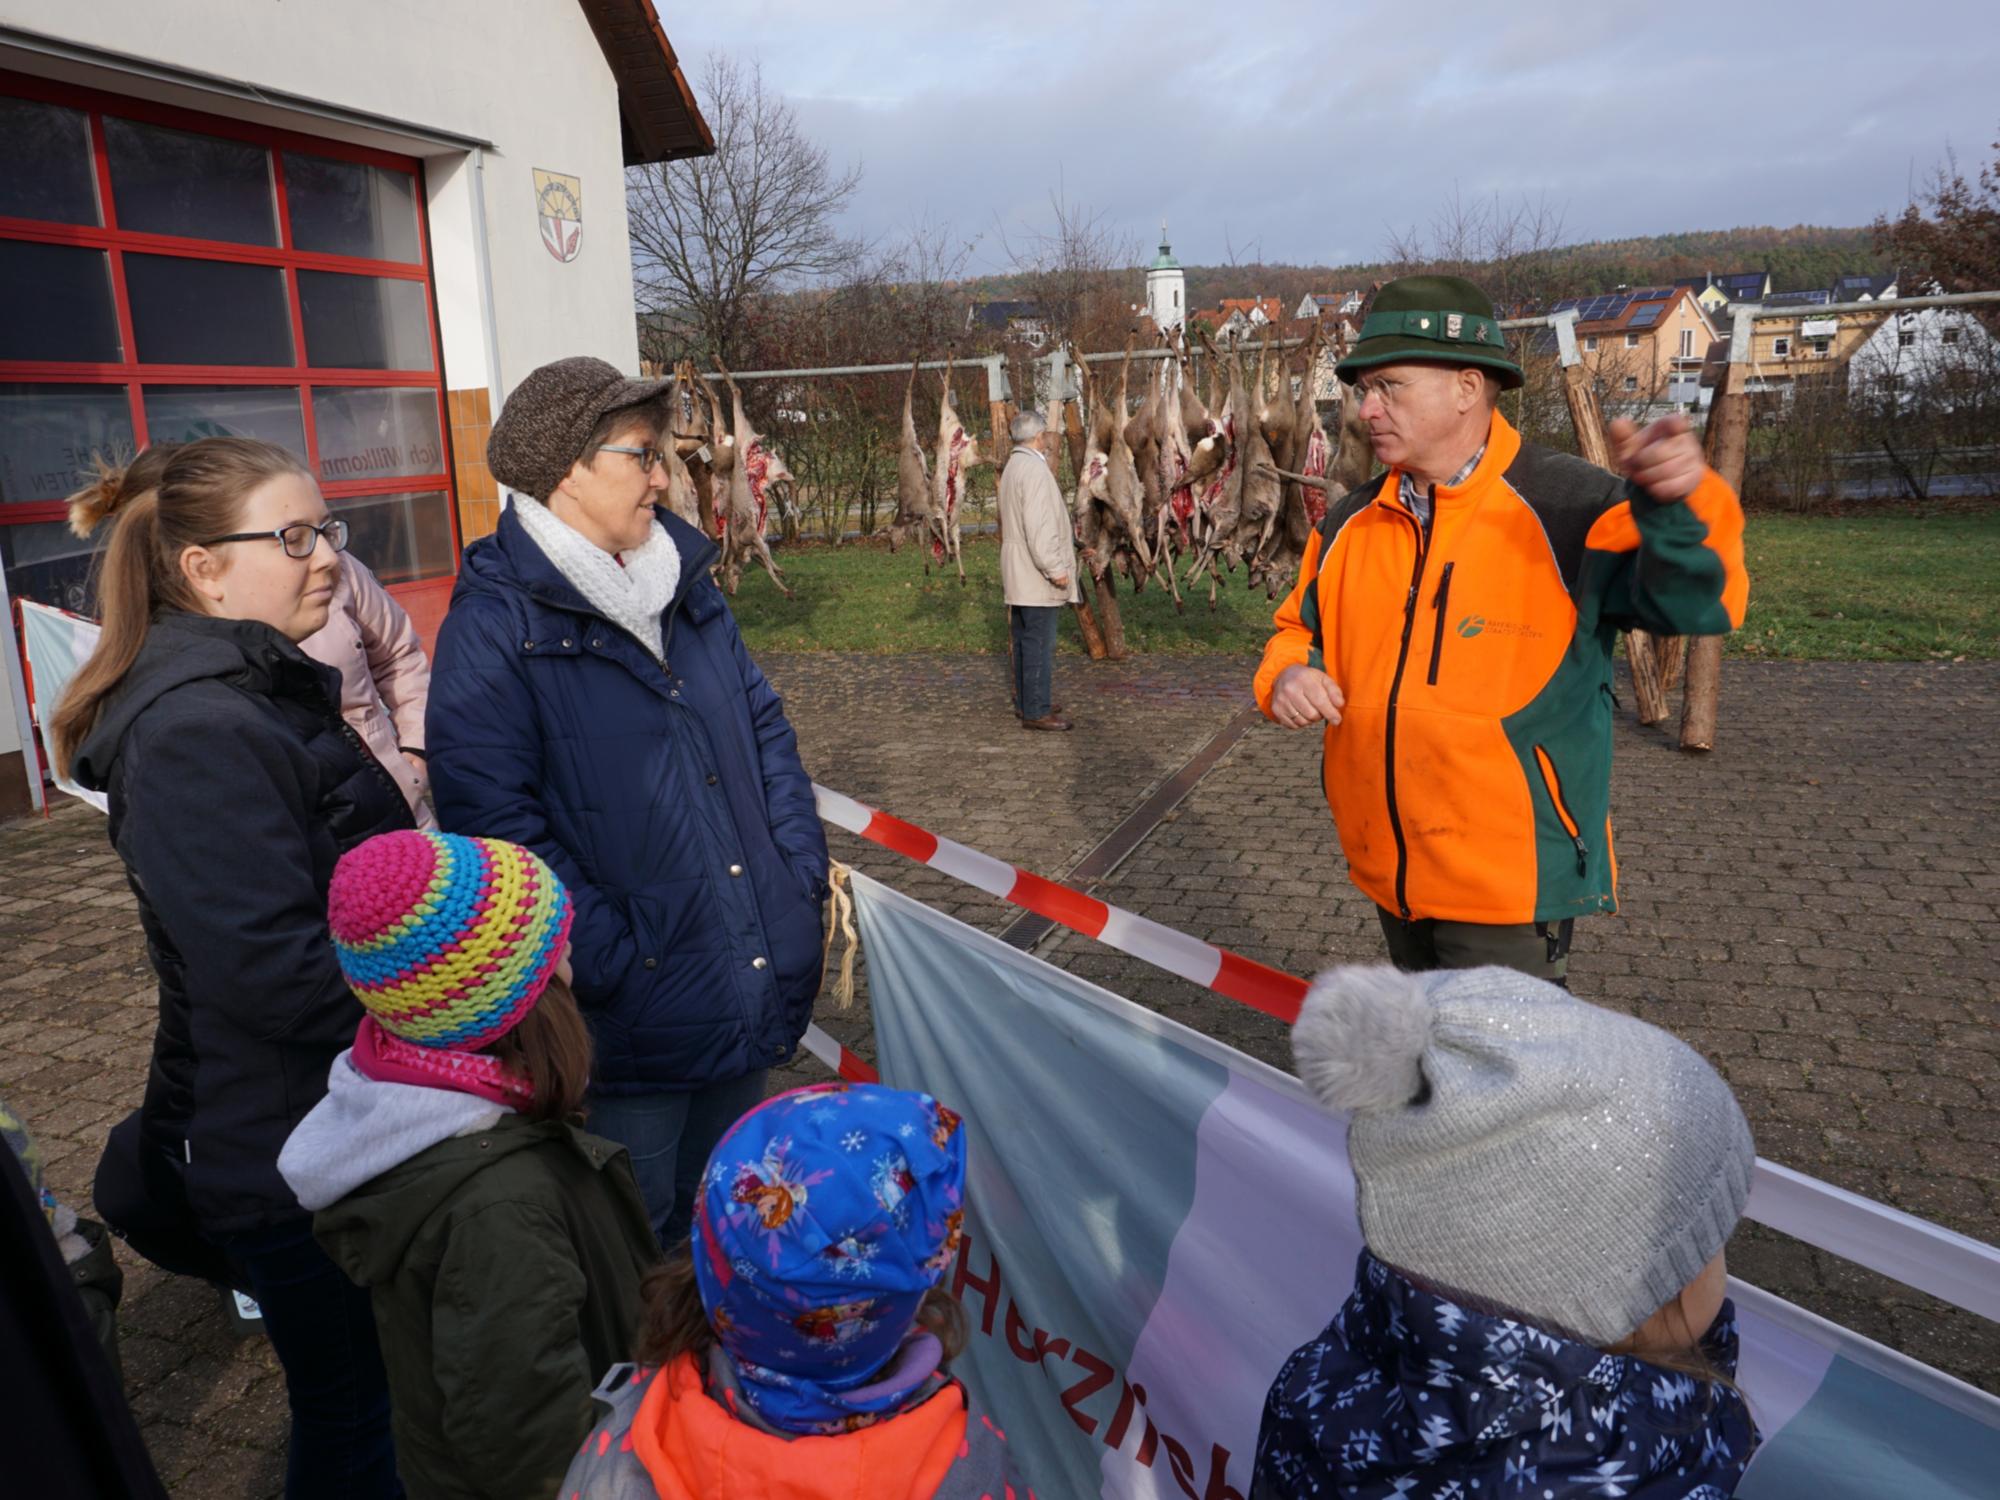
x=593, y=700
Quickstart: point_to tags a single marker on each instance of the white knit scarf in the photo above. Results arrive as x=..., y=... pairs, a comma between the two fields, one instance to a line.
x=632, y=596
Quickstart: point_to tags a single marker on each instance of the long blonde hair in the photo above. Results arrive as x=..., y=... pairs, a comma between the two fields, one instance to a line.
x=169, y=498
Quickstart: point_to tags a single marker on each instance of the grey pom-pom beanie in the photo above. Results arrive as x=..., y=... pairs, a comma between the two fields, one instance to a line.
x=1524, y=1149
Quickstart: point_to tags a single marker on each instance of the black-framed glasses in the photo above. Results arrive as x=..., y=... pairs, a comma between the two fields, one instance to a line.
x=300, y=539
x=649, y=458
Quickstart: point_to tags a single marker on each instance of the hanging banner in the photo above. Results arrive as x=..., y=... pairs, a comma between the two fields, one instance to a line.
x=56, y=643
x=1156, y=1221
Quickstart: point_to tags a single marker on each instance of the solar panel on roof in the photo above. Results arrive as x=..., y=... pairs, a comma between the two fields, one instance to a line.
x=1648, y=315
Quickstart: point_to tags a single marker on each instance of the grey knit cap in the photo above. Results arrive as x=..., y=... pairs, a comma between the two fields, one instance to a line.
x=548, y=419
x=1521, y=1148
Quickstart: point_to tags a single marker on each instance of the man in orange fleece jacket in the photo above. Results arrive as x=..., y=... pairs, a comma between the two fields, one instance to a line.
x=1451, y=631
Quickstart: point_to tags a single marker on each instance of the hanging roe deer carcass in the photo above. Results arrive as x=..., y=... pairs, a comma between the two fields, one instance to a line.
x=1219, y=498
x=755, y=472
x=957, y=454
x=913, y=478
x=1345, y=461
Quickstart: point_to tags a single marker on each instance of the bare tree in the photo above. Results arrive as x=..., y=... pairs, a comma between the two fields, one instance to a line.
x=1078, y=268
x=712, y=235
x=1512, y=250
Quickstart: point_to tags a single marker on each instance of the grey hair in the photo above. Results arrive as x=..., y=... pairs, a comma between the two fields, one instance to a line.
x=1027, y=426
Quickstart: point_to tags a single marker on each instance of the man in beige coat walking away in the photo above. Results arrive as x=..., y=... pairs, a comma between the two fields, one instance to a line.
x=1037, y=565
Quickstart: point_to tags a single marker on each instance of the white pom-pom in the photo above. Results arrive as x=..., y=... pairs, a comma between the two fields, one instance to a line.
x=1360, y=1037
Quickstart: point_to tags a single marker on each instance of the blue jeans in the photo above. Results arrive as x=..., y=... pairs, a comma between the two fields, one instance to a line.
x=670, y=1137
x=323, y=1329
x=1034, y=631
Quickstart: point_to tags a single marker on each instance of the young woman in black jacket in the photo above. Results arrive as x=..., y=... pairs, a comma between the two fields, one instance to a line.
x=234, y=785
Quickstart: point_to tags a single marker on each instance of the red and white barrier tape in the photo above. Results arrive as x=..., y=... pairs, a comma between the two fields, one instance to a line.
x=1961, y=1270
x=837, y=1057
x=1259, y=986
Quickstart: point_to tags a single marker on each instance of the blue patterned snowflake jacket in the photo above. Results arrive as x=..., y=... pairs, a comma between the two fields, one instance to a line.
x=1408, y=1395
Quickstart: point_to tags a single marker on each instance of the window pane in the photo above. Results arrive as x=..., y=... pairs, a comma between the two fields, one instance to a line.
x=49, y=173
x=48, y=563
x=350, y=208
x=182, y=413
x=364, y=322
x=173, y=182
x=373, y=434
x=55, y=303
x=401, y=537
x=50, y=433
x=208, y=312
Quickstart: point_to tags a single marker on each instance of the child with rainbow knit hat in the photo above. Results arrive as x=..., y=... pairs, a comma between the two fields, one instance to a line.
x=501, y=1245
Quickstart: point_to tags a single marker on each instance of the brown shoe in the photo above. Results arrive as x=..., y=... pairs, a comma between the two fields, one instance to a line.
x=1051, y=721
x=1054, y=708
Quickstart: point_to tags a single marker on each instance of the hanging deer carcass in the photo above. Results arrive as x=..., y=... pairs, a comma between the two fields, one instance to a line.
x=957, y=454
x=913, y=478
x=753, y=476
x=1110, y=480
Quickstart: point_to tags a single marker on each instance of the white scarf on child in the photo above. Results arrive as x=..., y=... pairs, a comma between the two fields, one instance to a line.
x=631, y=596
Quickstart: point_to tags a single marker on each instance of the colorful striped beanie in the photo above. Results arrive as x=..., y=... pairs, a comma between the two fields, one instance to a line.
x=446, y=941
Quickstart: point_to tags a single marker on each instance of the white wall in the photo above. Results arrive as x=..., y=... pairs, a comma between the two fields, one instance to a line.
x=526, y=75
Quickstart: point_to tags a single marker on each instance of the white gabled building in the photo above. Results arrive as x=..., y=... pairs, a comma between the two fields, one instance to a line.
x=1924, y=349
x=349, y=228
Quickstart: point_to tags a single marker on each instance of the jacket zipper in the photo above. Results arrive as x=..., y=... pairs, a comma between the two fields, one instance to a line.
x=1554, y=783
x=1437, y=634
x=1395, y=691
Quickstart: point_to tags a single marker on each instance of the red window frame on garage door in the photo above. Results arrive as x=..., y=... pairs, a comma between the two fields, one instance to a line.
x=425, y=598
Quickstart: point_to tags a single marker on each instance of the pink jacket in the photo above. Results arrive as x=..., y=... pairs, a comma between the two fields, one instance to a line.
x=384, y=679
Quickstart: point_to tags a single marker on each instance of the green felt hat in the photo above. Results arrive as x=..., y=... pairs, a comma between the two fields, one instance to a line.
x=1445, y=320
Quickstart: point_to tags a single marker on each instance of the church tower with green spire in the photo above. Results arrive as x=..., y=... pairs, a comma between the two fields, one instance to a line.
x=1166, y=287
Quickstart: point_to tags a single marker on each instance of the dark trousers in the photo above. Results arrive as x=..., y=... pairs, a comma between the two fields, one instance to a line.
x=323, y=1329
x=1524, y=946
x=669, y=1137
x=1034, y=631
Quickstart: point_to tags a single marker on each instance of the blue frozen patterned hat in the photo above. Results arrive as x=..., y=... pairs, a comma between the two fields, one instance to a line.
x=825, y=1216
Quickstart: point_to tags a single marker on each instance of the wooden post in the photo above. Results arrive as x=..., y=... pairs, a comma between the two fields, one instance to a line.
x=1086, y=623
x=1671, y=652
x=1648, y=686
x=1728, y=446
x=1073, y=430
x=1002, y=414
x=1108, y=618
x=1585, y=416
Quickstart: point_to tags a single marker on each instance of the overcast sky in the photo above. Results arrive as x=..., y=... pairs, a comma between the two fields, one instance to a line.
x=1307, y=131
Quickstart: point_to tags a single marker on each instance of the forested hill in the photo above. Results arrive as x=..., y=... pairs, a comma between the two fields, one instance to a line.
x=1803, y=256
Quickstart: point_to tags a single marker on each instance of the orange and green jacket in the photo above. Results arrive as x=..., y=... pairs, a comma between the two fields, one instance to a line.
x=1470, y=775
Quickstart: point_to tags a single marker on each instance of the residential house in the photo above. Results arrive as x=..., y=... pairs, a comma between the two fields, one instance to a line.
x=1329, y=305
x=1812, y=345
x=1237, y=318
x=1923, y=350
x=1642, y=346
x=1864, y=286
x=1717, y=293
x=1018, y=322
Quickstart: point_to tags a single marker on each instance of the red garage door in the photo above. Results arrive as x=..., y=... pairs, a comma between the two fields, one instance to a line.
x=166, y=275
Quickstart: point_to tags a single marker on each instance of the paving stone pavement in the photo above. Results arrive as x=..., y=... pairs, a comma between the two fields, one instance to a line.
x=1816, y=906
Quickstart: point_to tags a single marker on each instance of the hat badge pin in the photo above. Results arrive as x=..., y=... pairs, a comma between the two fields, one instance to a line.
x=1454, y=325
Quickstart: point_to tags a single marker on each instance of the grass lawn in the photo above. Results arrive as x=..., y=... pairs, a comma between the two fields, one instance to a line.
x=1895, y=586
x=1891, y=587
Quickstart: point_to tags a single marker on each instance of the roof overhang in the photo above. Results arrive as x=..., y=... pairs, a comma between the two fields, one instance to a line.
x=657, y=113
